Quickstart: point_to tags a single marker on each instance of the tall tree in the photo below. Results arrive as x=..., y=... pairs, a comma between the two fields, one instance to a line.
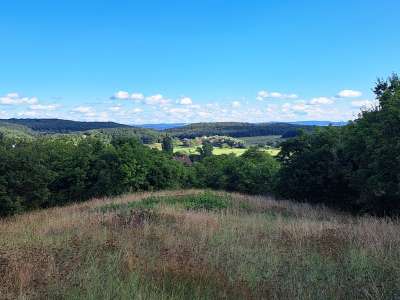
x=167, y=144
x=206, y=149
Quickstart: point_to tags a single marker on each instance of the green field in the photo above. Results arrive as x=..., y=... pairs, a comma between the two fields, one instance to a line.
x=216, y=151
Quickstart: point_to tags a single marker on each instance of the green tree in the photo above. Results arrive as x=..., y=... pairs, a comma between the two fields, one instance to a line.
x=356, y=167
x=167, y=144
x=373, y=147
x=206, y=149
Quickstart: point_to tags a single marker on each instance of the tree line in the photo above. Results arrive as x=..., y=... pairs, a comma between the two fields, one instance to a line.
x=51, y=171
x=355, y=167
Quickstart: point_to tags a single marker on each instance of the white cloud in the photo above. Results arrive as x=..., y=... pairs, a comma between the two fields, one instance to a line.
x=157, y=99
x=262, y=95
x=49, y=107
x=137, y=96
x=235, y=104
x=349, y=94
x=321, y=100
x=185, y=101
x=122, y=95
x=16, y=99
x=363, y=103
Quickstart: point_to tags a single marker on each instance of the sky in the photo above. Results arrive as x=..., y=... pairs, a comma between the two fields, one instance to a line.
x=151, y=61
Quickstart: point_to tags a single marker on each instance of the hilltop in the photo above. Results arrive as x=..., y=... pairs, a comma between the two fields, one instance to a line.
x=191, y=244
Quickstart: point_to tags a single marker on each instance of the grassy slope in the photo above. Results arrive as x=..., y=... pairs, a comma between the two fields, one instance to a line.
x=195, y=245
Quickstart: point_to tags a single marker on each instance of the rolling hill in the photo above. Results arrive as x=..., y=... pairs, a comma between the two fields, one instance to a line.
x=237, y=129
x=150, y=132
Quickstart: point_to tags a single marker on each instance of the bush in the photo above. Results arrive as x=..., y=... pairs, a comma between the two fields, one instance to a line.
x=253, y=172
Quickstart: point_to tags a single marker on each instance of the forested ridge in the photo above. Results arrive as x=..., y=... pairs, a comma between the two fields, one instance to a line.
x=233, y=129
x=237, y=129
x=355, y=167
x=62, y=126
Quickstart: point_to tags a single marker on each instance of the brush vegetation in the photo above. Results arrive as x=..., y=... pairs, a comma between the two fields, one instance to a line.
x=194, y=244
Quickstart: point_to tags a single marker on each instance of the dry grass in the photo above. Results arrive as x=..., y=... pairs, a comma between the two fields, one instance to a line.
x=257, y=248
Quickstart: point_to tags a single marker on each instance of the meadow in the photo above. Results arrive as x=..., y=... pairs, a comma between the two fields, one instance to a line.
x=216, y=150
x=197, y=244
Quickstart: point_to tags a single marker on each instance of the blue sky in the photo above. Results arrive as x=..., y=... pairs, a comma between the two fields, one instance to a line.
x=186, y=61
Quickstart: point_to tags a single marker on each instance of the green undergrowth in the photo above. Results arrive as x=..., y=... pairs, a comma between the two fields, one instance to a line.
x=204, y=201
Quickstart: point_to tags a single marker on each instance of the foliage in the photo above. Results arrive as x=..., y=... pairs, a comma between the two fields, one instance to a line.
x=253, y=172
x=167, y=145
x=54, y=171
x=223, y=141
x=206, y=150
x=146, y=136
x=354, y=167
x=313, y=169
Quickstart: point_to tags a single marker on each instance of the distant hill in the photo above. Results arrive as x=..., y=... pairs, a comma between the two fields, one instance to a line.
x=151, y=132
x=62, y=126
x=162, y=126
x=237, y=129
x=23, y=128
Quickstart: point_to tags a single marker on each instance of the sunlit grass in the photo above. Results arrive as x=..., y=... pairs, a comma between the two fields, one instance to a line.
x=197, y=245
x=216, y=151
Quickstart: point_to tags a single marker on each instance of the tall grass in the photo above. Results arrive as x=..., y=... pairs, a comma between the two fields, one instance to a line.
x=197, y=245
